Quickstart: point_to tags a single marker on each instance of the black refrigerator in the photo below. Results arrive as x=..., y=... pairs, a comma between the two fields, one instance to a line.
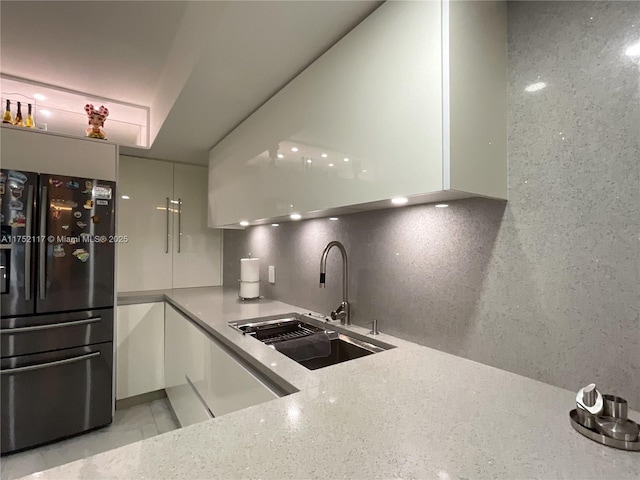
x=57, y=267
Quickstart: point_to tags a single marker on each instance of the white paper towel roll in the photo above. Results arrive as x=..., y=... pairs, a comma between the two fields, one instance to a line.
x=249, y=269
x=249, y=289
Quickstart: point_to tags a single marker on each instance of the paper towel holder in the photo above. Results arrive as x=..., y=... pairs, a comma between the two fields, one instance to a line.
x=246, y=299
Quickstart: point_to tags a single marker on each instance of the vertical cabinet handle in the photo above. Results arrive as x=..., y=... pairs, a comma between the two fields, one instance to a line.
x=166, y=248
x=179, y=225
x=44, y=210
x=28, y=251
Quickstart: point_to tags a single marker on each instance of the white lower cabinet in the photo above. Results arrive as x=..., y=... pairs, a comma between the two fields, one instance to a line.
x=202, y=380
x=184, y=368
x=140, y=349
x=230, y=386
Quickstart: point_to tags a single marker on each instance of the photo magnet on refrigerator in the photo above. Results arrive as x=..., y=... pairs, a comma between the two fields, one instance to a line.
x=16, y=191
x=102, y=192
x=18, y=221
x=18, y=177
x=81, y=254
x=58, y=251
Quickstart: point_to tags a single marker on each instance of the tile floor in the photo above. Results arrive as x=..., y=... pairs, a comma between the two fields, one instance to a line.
x=129, y=425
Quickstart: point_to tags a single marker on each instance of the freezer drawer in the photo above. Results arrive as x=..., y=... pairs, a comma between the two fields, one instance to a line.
x=48, y=396
x=43, y=333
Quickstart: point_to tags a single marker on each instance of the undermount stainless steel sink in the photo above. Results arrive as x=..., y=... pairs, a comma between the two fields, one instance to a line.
x=344, y=345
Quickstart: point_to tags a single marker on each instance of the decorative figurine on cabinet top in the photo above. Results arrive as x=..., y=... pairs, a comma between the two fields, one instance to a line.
x=96, y=121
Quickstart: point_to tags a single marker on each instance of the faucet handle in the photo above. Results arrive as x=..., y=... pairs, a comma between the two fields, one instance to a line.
x=338, y=313
x=374, y=327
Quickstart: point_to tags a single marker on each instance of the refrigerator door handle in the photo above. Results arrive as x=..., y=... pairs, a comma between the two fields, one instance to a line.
x=179, y=225
x=10, y=331
x=29, y=249
x=12, y=371
x=166, y=248
x=43, y=243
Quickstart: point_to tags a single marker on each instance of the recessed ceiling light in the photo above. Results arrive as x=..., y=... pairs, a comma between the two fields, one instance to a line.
x=244, y=223
x=324, y=155
x=46, y=113
x=442, y=205
x=39, y=96
x=345, y=159
x=294, y=149
x=399, y=200
x=295, y=216
x=331, y=164
x=280, y=155
x=364, y=171
x=633, y=50
x=333, y=218
x=125, y=197
x=275, y=224
x=534, y=87
x=309, y=160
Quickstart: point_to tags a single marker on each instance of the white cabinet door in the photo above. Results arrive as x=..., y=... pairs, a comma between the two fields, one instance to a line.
x=201, y=377
x=140, y=349
x=184, y=368
x=411, y=102
x=230, y=386
x=145, y=260
x=197, y=249
x=362, y=123
x=164, y=216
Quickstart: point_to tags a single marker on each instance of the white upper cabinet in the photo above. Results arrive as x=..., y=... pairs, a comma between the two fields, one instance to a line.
x=197, y=249
x=144, y=260
x=410, y=102
x=163, y=213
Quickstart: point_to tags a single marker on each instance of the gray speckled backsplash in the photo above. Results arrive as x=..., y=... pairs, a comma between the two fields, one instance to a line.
x=546, y=285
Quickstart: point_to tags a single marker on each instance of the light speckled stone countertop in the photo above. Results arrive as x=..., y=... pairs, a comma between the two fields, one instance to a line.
x=408, y=412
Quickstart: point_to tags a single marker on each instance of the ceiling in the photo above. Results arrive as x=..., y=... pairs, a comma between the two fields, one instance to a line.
x=202, y=67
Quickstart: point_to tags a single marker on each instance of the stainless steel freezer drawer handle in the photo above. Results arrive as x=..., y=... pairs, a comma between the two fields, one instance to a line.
x=11, y=371
x=47, y=327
